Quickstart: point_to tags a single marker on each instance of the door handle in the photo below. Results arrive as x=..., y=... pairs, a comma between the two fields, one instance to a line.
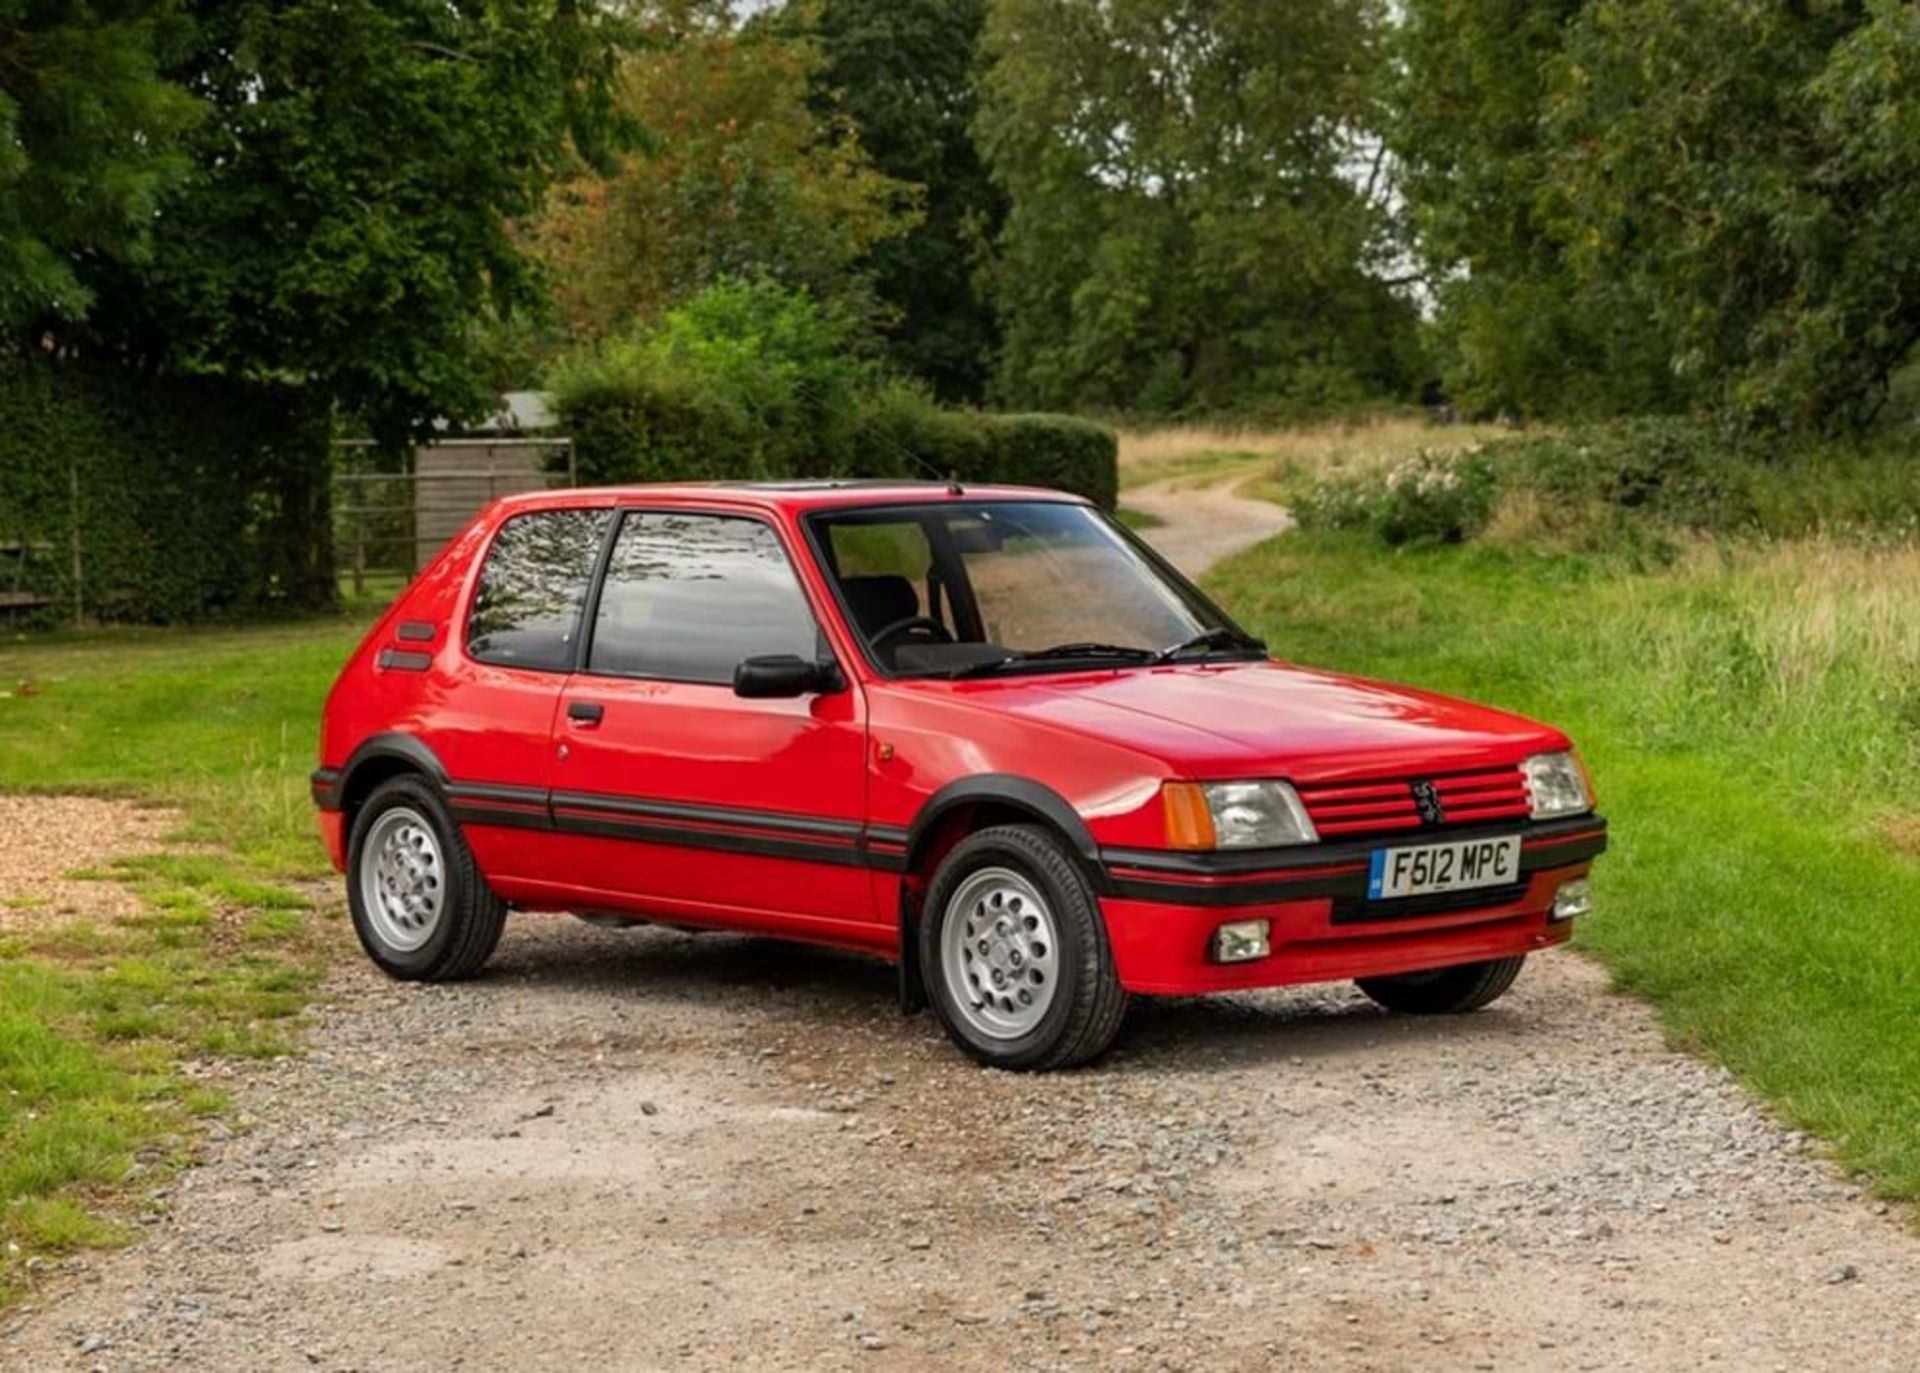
x=586, y=712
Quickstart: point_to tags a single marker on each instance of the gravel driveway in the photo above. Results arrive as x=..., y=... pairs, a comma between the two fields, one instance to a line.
x=633, y=1150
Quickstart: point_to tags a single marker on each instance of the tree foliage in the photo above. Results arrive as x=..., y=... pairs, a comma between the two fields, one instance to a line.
x=752, y=379
x=904, y=72
x=345, y=224
x=741, y=177
x=312, y=192
x=90, y=137
x=1659, y=205
x=1191, y=218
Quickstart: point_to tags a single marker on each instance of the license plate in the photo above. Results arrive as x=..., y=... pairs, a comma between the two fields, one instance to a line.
x=1428, y=868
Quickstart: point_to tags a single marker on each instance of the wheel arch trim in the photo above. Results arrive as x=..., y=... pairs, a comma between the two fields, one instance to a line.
x=333, y=786
x=1035, y=799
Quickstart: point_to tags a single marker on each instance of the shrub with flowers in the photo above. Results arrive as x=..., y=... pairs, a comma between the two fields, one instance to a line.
x=1432, y=497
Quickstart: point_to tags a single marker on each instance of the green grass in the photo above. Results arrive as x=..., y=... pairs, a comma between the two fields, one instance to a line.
x=96, y=1023
x=97, y=1019
x=1752, y=717
x=221, y=723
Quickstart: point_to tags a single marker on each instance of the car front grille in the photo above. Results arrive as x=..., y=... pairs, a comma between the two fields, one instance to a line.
x=1356, y=810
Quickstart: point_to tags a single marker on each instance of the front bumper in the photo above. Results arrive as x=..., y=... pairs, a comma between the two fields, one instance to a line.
x=1162, y=909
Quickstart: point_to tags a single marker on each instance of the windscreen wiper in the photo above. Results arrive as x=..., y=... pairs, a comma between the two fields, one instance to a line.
x=1055, y=653
x=1220, y=636
x=1092, y=650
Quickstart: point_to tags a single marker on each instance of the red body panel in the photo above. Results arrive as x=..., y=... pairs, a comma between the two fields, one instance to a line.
x=699, y=745
x=793, y=817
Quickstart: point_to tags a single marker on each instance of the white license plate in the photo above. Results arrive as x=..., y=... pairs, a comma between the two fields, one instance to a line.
x=1428, y=868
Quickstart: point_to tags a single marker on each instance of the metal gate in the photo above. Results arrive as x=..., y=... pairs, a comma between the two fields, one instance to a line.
x=389, y=520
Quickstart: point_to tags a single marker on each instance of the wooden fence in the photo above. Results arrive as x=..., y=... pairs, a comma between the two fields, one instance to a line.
x=388, y=523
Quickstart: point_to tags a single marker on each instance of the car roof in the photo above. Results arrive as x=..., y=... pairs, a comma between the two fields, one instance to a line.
x=826, y=493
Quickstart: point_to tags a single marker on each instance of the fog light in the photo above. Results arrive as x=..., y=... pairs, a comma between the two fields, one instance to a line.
x=1573, y=898
x=1240, y=941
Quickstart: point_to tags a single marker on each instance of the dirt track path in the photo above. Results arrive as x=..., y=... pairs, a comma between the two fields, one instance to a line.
x=637, y=1150
x=1202, y=525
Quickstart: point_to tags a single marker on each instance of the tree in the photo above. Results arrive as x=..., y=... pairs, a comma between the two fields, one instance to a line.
x=1642, y=205
x=1190, y=222
x=343, y=225
x=741, y=178
x=90, y=137
x=1472, y=160
x=1745, y=175
x=904, y=71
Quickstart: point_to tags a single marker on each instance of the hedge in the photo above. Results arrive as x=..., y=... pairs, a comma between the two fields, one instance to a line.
x=627, y=426
x=130, y=496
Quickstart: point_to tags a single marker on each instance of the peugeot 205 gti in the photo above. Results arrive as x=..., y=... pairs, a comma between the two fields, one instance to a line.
x=986, y=733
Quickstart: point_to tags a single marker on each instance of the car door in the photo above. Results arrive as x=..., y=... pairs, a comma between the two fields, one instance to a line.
x=490, y=723
x=674, y=794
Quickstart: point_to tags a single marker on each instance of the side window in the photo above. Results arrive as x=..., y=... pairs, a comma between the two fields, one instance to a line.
x=533, y=584
x=687, y=597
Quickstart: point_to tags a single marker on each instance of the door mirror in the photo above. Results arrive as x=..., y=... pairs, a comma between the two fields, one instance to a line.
x=782, y=674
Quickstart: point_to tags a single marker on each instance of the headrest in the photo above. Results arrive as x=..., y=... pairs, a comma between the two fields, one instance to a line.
x=879, y=601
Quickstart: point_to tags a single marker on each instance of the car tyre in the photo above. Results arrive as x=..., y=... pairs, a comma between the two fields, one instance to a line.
x=1010, y=918
x=1445, y=991
x=420, y=906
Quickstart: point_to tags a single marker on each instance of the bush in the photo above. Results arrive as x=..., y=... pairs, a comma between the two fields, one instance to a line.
x=1632, y=487
x=745, y=380
x=1056, y=451
x=131, y=496
x=1681, y=473
x=1431, y=498
x=753, y=381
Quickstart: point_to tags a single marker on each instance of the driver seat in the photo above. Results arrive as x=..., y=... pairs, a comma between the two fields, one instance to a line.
x=877, y=602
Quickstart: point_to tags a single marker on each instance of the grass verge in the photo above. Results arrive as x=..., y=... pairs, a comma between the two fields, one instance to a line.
x=1752, y=715
x=108, y=1028
x=219, y=723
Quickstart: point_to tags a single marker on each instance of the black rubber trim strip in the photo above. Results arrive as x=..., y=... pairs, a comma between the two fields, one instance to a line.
x=1020, y=793
x=599, y=802
x=502, y=815
x=605, y=825
x=415, y=631
x=404, y=660
x=1234, y=863
x=1238, y=893
x=1581, y=844
x=838, y=843
x=338, y=783
x=497, y=791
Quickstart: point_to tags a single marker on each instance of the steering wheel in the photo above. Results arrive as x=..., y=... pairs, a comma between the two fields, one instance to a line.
x=912, y=624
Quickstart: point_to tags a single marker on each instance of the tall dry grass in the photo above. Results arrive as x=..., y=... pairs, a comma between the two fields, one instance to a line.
x=1814, y=637
x=1268, y=461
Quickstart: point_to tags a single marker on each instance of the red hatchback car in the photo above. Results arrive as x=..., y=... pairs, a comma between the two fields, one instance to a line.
x=986, y=733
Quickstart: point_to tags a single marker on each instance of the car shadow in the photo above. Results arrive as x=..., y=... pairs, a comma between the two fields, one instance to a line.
x=818, y=987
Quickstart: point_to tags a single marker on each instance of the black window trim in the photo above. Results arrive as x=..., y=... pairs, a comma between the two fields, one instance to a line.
x=575, y=654
x=814, y=520
x=822, y=640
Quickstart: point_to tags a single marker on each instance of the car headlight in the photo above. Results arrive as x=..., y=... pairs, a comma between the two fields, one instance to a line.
x=1235, y=815
x=1558, y=785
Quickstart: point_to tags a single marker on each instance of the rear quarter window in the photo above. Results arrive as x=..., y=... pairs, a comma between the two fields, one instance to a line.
x=533, y=588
